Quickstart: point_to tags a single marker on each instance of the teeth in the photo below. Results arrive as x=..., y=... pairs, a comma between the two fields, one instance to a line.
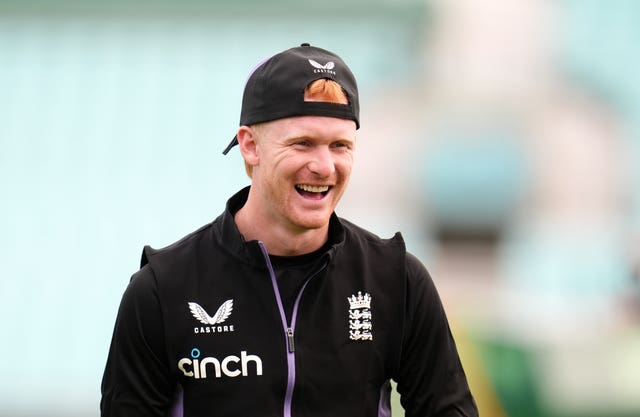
x=313, y=188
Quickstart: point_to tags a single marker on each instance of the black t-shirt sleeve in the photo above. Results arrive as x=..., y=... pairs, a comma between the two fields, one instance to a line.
x=137, y=380
x=431, y=380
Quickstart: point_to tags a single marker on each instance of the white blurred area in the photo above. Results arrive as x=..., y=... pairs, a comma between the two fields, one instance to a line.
x=501, y=137
x=553, y=272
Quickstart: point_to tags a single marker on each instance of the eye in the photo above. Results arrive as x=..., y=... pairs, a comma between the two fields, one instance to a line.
x=340, y=145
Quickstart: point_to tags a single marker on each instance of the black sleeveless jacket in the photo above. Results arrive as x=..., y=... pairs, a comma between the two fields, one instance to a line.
x=202, y=331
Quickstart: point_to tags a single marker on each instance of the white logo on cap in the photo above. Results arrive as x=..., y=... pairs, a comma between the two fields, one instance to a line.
x=326, y=68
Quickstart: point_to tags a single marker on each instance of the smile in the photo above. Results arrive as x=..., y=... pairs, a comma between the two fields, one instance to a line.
x=316, y=191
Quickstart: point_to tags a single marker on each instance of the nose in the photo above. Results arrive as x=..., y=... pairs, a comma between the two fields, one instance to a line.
x=322, y=162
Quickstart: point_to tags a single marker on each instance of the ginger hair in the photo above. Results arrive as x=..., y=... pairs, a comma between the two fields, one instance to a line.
x=327, y=90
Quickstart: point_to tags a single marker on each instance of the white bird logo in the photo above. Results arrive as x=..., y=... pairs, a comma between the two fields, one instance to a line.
x=329, y=65
x=223, y=313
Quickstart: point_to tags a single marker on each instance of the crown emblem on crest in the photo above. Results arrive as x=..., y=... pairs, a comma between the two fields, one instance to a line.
x=360, y=324
x=361, y=301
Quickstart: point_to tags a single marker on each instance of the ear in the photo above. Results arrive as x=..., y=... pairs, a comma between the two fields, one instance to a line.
x=248, y=146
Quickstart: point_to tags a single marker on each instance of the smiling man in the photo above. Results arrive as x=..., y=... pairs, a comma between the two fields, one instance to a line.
x=299, y=167
x=279, y=307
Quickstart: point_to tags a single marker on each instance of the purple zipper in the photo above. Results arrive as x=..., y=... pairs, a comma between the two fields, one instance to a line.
x=288, y=332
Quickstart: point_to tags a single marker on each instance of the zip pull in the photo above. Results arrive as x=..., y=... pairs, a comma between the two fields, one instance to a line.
x=290, y=344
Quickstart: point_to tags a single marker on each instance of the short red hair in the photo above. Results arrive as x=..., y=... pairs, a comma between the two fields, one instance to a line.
x=326, y=90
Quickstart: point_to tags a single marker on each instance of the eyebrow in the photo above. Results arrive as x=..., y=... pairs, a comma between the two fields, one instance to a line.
x=314, y=138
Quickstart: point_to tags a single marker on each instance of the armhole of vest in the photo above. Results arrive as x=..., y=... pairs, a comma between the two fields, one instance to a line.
x=147, y=252
x=398, y=240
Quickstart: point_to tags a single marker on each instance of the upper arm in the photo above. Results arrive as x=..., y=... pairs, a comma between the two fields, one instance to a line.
x=137, y=380
x=431, y=380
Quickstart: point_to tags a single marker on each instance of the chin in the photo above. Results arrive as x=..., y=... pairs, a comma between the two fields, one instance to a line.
x=317, y=222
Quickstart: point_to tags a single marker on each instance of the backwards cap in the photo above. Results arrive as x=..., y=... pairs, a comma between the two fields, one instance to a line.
x=276, y=87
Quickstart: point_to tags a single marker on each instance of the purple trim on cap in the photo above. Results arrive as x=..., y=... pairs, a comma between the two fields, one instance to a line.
x=275, y=87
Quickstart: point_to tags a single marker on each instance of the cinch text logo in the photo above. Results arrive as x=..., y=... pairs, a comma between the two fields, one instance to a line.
x=231, y=366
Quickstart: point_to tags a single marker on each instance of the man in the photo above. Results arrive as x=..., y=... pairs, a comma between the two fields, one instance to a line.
x=279, y=307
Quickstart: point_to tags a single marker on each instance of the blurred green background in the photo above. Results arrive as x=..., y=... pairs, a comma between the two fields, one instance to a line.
x=501, y=137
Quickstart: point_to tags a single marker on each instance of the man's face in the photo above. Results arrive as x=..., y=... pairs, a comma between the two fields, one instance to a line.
x=304, y=164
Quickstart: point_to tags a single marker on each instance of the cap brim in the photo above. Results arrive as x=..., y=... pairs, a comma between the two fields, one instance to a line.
x=231, y=144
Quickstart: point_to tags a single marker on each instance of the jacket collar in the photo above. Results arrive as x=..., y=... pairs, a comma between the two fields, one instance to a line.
x=227, y=235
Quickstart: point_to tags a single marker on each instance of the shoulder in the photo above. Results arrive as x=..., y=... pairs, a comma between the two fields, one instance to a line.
x=355, y=232
x=142, y=280
x=179, y=249
x=416, y=270
x=420, y=282
x=141, y=294
x=422, y=293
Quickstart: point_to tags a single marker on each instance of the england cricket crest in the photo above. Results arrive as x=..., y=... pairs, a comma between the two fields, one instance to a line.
x=360, y=327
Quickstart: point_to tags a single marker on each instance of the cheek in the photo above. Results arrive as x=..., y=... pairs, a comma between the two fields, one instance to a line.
x=345, y=165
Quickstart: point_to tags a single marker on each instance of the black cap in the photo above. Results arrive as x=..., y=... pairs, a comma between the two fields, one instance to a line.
x=275, y=89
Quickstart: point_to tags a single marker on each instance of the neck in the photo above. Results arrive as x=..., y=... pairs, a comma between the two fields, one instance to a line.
x=279, y=239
